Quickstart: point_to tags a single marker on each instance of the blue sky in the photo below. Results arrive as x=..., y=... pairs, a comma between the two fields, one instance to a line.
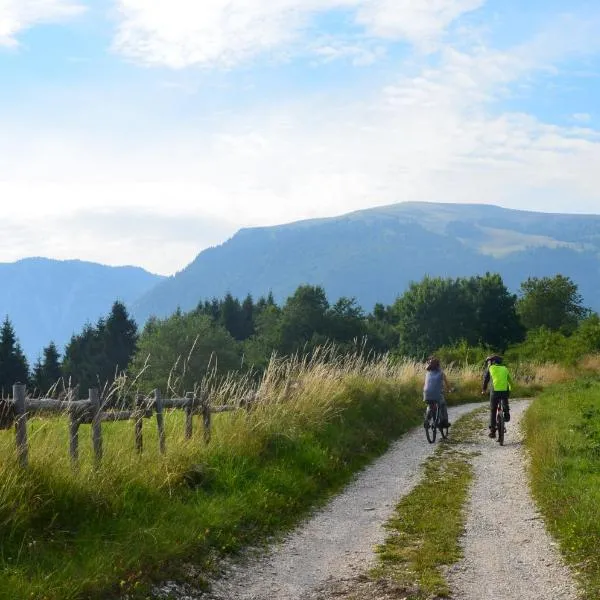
x=122, y=119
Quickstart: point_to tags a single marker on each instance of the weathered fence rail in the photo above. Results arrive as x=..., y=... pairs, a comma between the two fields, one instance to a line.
x=15, y=412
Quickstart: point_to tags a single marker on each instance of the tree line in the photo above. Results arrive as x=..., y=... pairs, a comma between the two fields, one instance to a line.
x=435, y=314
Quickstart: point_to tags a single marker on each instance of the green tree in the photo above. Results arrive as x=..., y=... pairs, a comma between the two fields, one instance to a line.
x=346, y=321
x=551, y=302
x=82, y=361
x=13, y=364
x=119, y=337
x=433, y=313
x=496, y=323
x=437, y=312
x=305, y=320
x=174, y=354
x=259, y=348
x=47, y=371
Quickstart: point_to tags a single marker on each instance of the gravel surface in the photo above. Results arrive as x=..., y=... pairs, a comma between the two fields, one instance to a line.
x=336, y=543
x=508, y=553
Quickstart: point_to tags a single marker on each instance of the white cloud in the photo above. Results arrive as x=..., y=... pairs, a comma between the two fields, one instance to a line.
x=421, y=23
x=18, y=15
x=182, y=33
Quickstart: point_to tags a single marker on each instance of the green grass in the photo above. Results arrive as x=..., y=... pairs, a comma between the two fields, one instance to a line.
x=426, y=528
x=89, y=533
x=563, y=437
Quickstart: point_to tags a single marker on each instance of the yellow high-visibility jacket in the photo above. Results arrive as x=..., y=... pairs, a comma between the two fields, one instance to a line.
x=500, y=378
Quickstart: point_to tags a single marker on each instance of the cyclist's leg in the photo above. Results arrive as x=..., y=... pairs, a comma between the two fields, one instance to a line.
x=444, y=413
x=505, y=406
x=493, y=407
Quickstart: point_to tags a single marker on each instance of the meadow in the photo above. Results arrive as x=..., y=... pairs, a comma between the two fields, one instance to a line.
x=563, y=437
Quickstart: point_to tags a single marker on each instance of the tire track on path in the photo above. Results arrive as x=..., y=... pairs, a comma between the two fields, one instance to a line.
x=508, y=553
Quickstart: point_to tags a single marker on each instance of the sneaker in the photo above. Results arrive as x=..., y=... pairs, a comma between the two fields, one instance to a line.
x=492, y=434
x=506, y=417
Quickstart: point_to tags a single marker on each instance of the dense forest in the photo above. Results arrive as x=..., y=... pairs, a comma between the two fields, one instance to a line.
x=461, y=319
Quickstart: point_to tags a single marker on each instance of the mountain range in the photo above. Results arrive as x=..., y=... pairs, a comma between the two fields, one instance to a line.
x=374, y=254
x=50, y=300
x=371, y=255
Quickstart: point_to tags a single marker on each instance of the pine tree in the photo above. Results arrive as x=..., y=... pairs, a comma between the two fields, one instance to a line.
x=13, y=364
x=120, y=335
x=47, y=372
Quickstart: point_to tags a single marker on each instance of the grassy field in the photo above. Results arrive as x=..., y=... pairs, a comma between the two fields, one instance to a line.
x=563, y=436
x=86, y=533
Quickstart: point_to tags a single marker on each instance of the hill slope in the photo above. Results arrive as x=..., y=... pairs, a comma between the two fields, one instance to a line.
x=374, y=254
x=50, y=300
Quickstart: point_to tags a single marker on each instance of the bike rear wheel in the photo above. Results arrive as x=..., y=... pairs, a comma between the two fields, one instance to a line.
x=500, y=427
x=431, y=424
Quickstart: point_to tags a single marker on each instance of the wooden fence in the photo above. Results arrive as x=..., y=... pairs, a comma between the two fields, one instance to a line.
x=15, y=411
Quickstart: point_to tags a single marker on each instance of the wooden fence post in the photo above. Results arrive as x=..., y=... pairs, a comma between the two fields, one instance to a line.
x=206, y=415
x=139, y=423
x=160, y=421
x=189, y=414
x=96, y=424
x=19, y=393
x=74, y=437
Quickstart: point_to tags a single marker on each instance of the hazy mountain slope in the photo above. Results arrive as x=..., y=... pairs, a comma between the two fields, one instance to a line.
x=374, y=254
x=50, y=300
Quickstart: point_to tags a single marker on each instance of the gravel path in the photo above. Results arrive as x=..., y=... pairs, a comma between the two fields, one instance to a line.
x=508, y=553
x=337, y=543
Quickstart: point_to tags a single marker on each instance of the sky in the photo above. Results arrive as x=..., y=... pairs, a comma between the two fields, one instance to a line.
x=143, y=131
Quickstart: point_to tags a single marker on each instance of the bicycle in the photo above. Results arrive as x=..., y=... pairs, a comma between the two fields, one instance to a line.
x=500, y=426
x=432, y=422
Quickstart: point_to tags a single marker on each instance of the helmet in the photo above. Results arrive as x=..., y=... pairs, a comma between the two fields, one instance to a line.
x=494, y=359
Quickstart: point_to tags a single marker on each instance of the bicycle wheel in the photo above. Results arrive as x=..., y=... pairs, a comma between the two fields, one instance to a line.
x=430, y=425
x=500, y=426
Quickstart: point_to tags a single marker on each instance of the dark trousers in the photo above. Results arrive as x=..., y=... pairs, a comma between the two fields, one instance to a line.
x=495, y=398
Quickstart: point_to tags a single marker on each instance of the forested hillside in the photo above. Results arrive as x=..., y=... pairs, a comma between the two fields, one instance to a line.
x=373, y=255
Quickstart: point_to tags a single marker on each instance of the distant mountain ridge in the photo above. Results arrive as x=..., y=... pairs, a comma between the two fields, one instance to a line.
x=371, y=254
x=374, y=254
x=50, y=300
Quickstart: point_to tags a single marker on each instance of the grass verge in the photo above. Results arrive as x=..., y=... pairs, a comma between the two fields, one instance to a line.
x=425, y=531
x=563, y=437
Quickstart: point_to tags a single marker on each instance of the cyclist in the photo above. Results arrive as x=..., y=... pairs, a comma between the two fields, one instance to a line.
x=501, y=382
x=435, y=384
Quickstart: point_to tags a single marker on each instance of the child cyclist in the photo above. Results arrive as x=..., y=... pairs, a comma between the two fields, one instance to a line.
x=501, y=382
x=433, y=388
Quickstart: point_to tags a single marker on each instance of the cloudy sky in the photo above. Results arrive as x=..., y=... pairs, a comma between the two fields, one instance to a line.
x=142, y=131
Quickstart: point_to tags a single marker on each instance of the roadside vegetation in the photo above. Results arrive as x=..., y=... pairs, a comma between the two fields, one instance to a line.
x=563, y=438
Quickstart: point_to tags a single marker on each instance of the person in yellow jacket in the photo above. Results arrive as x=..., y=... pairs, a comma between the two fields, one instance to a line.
x=497, y=377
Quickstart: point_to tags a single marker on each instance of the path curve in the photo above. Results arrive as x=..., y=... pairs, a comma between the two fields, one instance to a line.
x=508, y=553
